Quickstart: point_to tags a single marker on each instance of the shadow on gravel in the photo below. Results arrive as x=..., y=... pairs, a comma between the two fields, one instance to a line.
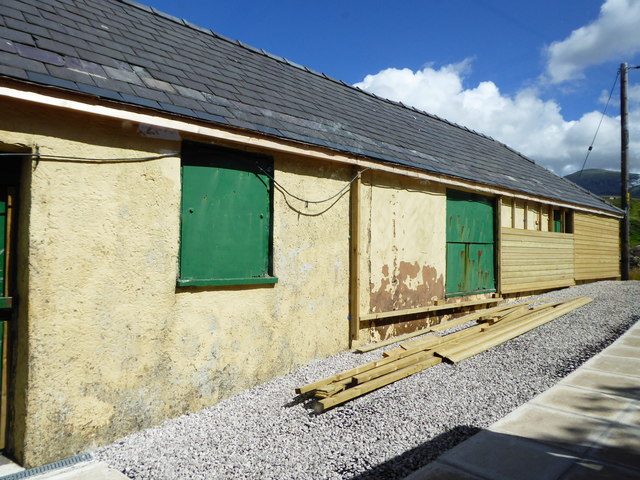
x=411, y=460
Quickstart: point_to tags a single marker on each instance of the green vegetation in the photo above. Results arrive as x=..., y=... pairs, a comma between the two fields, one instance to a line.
x=634, y=218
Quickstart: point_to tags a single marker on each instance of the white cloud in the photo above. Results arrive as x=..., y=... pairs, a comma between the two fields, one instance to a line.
x=525, y=122
x=612, y=35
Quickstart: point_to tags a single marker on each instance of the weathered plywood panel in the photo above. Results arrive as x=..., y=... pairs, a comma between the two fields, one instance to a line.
x=407, y=248
x=533, y=260
x=597, y=246
x=506, y=212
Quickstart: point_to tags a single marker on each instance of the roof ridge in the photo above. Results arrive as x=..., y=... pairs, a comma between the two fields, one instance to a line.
x=303, y=68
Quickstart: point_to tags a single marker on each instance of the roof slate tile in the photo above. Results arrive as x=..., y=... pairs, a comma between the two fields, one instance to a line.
x=46, y=79
x=8, y=12
x=45, y=56
x=8, y=46
x=16, y=61
x=13, y=72
x=15, y=35
x=53, y=46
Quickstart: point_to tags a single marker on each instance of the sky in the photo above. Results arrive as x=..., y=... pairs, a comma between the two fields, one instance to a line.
x=534, y=75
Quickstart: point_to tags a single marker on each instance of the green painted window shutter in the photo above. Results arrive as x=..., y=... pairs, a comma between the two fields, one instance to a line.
x=470, y=244
x=225, y=217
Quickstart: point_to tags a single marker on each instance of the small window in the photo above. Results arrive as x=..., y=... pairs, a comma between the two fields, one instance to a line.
x=226, y=211
x=562, y=220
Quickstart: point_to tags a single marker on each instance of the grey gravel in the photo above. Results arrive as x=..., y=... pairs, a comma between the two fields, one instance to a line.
x=267, y=433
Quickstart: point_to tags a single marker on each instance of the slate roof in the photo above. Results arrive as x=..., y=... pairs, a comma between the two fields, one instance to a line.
x=122, y=51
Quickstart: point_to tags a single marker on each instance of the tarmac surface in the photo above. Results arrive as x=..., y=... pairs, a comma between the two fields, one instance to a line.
x=585, y=427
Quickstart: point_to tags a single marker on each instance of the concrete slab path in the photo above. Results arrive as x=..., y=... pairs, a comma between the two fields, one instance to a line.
x=587, y=427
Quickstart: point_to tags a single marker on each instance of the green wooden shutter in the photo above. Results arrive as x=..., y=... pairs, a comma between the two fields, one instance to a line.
x=470, y=244
x=225, y=217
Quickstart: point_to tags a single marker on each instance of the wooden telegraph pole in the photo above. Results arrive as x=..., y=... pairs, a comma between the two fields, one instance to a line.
x=624, y=169
x=624, y=172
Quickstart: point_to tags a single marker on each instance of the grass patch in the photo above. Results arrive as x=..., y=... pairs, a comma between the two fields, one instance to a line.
x=634, y=274
x=634, y=218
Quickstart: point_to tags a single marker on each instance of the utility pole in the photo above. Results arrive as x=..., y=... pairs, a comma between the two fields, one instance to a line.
x=624, y=172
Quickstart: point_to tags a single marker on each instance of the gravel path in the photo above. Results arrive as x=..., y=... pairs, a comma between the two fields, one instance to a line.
x=263, y=433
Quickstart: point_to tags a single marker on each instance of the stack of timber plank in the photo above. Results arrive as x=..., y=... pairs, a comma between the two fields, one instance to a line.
x=494, y=326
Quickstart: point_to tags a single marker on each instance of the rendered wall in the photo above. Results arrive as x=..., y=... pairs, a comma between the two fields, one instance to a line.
x=403, y=237
x=107, y=343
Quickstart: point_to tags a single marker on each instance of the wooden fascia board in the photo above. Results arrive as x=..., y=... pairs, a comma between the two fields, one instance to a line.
x=93, y=106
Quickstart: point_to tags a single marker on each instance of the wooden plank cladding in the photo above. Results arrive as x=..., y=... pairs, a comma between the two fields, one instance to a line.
x=535, y=260
x=597, y=247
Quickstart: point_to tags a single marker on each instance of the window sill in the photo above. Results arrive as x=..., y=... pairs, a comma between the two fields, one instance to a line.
x=212, y=282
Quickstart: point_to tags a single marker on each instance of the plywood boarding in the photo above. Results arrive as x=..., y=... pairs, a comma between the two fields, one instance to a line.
x=597, y=246
x=533, y=260
x=407, y=252
x=506, y=212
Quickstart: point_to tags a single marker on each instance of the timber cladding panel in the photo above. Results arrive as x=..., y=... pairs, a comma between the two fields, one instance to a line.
x=532, y=260
x=597, y=247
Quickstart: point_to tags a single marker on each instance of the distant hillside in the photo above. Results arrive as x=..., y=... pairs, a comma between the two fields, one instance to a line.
x=605, y=182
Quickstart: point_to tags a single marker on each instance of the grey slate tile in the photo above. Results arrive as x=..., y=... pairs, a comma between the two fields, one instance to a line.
x=122, y=75
x=44, y=56
x=16, y=36
x=97, y=58
x=22, y=6
x=8, y=12
x=69, y=74
x=53, y=46
x=100, y=92
x=169, y=107
x=8, y=46
x=151, y=94
x=84, y=66
x=16, y=61
x=145, y=102
x=115, y=85
x=53, y=81
x=13, y=72
x=67, y=39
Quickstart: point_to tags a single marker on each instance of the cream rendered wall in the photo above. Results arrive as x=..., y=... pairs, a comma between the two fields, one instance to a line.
x=108, y=345
x=404, y=224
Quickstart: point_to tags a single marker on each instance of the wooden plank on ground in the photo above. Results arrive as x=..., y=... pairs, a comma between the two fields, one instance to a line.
x=351, y=393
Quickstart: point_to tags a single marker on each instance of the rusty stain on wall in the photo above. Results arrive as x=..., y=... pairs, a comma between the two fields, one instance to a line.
x=410, y=286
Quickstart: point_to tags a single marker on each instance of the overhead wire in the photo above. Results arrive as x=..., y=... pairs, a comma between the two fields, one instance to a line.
x=590, y=149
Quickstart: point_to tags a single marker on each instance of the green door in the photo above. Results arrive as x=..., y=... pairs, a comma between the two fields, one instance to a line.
x=470, y=244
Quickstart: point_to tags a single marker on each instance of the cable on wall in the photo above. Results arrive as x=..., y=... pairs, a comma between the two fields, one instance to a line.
x=340, y=192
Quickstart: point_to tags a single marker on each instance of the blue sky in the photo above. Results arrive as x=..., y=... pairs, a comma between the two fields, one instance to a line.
x=534, y=75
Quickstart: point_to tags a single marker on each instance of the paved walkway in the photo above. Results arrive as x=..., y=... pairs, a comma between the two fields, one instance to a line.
x=587, y=427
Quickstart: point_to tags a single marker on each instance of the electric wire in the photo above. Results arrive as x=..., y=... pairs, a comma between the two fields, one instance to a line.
x=63, y=158
x=340, y=192
x=590, y=149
